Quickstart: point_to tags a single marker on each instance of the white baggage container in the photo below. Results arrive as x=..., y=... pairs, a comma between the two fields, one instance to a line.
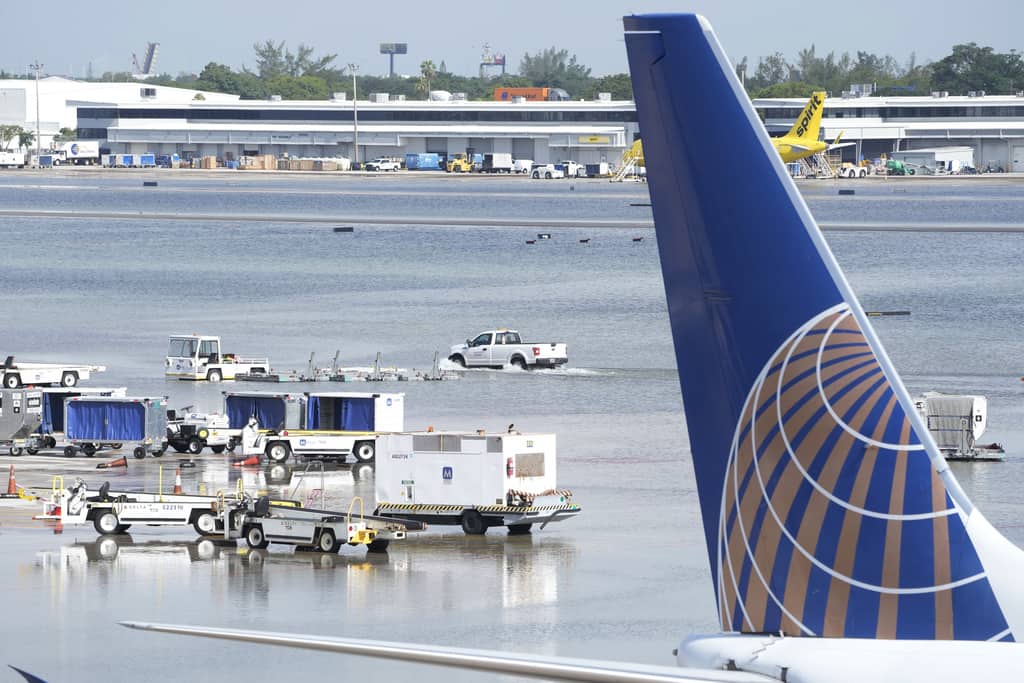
x=473, y=479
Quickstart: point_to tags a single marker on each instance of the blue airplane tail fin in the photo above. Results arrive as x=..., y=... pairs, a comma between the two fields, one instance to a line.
x=827, y=509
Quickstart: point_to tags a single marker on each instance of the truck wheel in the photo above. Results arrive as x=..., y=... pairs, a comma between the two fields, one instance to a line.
x=205, y=524
x=195, y=446
x=458, y=359
x=69, y=379
x=327, y=542
x=378, y=545
x=278, y=451
x=232, y=443
x=89, y=449
x=106, y=522
x=217, y=449
x=255, y=539
x=31, y=451
x=518, y=529
x=473, y=523
x=12, y=381
x=547, y=175
x=69, y=451
x=535, y=175
x=364, y=451
x=15, y=451
x=139, y=452
x=214, y=376
x=518, y=362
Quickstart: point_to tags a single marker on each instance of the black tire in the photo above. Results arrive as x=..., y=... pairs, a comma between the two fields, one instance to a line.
x=473, y=523
x=278, y=451
x=232, y=444
x=519, y=362
x=218, y=449
x=139, y=452
x=12, y=381
x=69, y=379
x=255, y=538
x=535, y=175
x=518, y=529
x=89, y=449
x=105, y=522
x=15, y=451
x=378, y=545
x=214, y=376
x=205, y=524
x=547, y=175
x=160, y=452
x=195, y=446
x=116, y=446
x=69, y=451
x=458, y=359
x=50, y=442
x=364, y=451
x=327, y=542
x=31, y=451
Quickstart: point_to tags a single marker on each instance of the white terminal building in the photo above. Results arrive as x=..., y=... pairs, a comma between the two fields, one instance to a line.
x=139, y=118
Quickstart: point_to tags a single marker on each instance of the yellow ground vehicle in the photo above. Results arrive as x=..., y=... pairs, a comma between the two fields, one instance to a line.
x=460, y=163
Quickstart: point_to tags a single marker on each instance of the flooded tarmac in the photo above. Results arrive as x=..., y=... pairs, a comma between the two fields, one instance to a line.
x=624, y=580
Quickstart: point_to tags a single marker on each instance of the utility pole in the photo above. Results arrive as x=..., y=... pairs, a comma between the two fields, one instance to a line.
x=355, y=113
x=37, y=66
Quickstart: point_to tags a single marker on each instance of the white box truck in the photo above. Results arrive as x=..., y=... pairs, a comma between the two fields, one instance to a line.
x=472, y=479
x=78, y=152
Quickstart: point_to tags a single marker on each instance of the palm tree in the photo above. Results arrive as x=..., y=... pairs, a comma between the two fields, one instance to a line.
x=428, y=72
x=25, y=139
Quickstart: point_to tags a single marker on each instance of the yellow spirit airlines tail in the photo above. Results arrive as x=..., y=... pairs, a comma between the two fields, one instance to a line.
x=802, y=139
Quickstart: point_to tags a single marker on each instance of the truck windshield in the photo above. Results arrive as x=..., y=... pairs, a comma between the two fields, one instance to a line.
x=182, y=348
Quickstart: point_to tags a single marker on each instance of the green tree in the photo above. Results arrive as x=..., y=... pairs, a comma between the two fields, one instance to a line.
x=554, y=68
x=619, y=85
x=8, y=133
x=788, y=89
x=428, y=72
x=65, y=135
x=273, y=60
x=971, y=67
x=26, y=139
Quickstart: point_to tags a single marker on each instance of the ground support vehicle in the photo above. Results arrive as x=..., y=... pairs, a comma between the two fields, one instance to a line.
x=382, y=164
x=848, y=170
x=79, y=152
x=113, y=512
x=95, y=421
x=472, y=479
x=956, y=422
x=190, y=432
x=51, y=431
x=261, y=523
x=459, y=163
x=198, y=357
x=12, y=159
x=335, y=425
x=21, y=413
x=502, y=348
x=522, y=166
x=498, y=162
x=546, y=171
x=262, y=410
x=573, y=169
x=37, y=374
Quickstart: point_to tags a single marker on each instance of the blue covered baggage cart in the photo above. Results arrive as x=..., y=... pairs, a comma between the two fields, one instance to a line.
x=95, y=421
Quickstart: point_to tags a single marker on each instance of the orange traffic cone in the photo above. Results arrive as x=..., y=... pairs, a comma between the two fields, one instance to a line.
x=120, y=462
x=177, y=481
x=251, y=461
x=12, y=486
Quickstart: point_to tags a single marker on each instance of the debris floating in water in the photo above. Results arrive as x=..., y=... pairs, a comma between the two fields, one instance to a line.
x=344, y=228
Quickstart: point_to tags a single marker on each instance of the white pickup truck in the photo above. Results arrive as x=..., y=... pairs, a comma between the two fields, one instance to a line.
x=63, y=374
x=382, y=164
x=500, y=348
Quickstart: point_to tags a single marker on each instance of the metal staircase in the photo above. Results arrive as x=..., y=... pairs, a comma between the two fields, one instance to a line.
x=632, y=159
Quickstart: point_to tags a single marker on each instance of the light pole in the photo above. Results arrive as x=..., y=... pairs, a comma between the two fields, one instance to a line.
x=37, y=66
x=355, y=113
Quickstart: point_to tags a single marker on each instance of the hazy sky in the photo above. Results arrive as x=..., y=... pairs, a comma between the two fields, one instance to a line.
x=67, y=35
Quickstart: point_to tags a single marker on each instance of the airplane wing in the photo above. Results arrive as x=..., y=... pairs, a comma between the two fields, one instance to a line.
x=490, y=661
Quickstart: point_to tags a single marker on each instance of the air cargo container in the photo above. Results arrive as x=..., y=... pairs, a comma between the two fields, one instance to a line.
x=21, y=412
x=51, y=431
x=94, y=421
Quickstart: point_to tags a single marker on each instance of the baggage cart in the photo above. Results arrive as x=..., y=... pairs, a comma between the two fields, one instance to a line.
x=95, y=421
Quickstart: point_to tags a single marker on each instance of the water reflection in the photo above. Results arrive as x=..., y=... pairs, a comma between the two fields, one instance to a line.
x=429, y=575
